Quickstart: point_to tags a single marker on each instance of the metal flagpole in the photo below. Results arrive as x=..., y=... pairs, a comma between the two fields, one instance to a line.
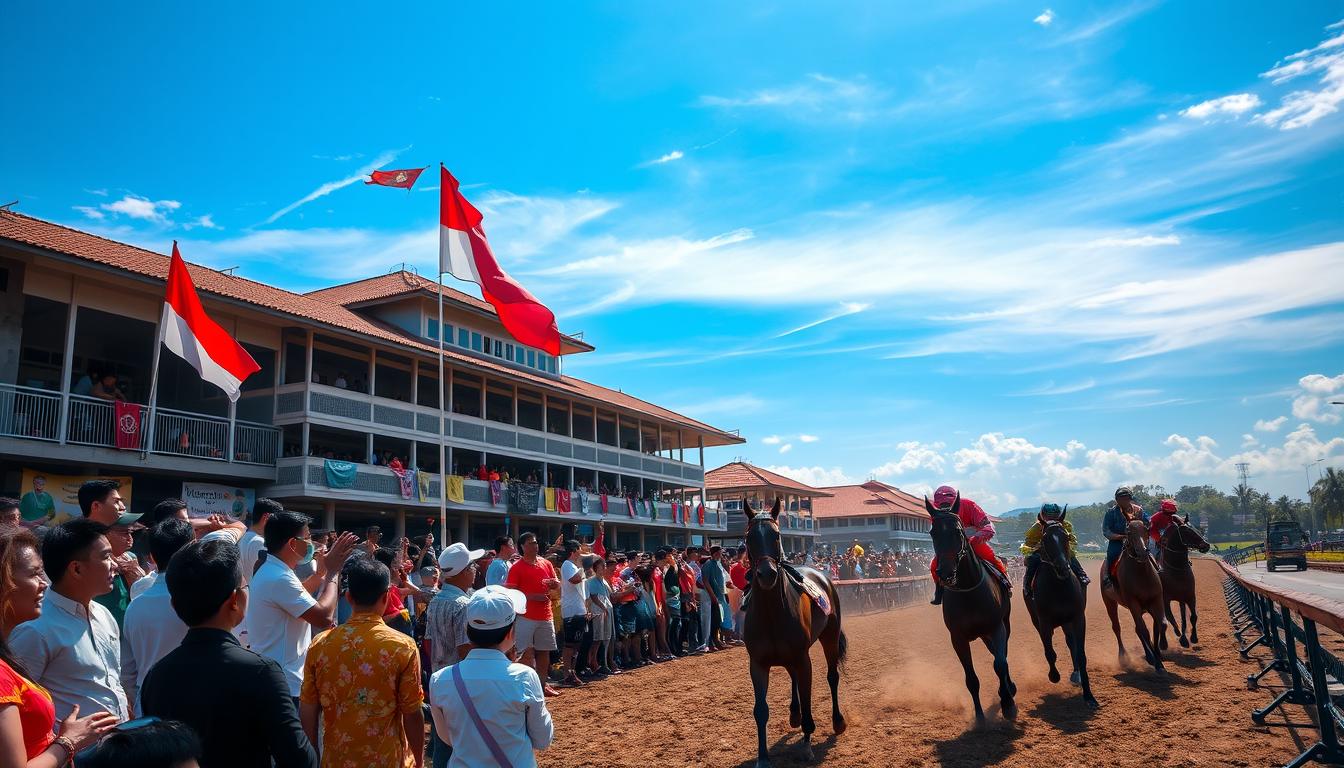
x=148, y=444
x=443, y=424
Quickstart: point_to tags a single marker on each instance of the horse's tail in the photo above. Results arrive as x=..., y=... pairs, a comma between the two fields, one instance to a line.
x=842, y=652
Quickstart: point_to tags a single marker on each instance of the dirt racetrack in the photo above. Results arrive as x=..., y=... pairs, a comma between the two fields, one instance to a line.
x=903, y=695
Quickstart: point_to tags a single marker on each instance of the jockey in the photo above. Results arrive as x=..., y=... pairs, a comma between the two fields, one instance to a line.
x=1161, y=520
x=978, y=529
x=1031, y=547
x=1114, y=526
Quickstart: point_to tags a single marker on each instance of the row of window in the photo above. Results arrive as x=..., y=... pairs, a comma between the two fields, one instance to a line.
x=899, y=523
x=485, y=345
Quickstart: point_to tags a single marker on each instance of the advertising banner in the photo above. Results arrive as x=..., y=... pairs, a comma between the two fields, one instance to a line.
x=49, y=499
x=206, y=499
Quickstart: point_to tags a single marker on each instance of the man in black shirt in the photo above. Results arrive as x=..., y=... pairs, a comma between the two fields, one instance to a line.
x=237, y=701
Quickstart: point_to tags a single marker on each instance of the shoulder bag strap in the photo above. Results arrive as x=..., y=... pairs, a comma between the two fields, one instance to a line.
x=486, y=736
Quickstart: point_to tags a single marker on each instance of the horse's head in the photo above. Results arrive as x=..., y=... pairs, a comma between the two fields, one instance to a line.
x=764, y=545
x=1136, y=536
x=1055, y=542
x=1183, y=535
x=949, y=538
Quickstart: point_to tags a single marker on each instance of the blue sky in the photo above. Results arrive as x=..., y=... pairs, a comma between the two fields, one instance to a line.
x=1032, y=250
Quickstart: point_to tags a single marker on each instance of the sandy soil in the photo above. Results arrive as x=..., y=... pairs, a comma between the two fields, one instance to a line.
x=906, y=704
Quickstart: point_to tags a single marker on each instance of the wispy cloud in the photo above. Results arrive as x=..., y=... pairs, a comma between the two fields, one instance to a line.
x=331, y=186
x=670, y=157
x=1104, y=22
x=808, y=438
x=772, y=440
x=851, y=99
x=847, y=309
x=785, y=448
x=142, y=208
x=1046, y=18
x=721, y=406
x=1270, y=425
x=204, y=222
x=1143, y=241
x=1236, y=104
x=90, y=212
x=98, y=192
x=1303, y=108
x=1050, y=389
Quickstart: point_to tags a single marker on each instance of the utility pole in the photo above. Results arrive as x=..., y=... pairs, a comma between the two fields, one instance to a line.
x=1244, y=472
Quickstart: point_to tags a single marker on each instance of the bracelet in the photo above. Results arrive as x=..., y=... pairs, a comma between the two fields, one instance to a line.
x=68, y=745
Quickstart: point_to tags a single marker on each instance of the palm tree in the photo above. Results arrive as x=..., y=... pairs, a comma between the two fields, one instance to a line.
x=1327, y=497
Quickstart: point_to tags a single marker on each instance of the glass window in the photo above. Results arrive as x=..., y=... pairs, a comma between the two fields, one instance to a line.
x=463, y=337
x=531, y=359
x=520, y=355
x=432, y=329
x=475, y=342
x=508, y=352
x=448, y=333
x=550, y=365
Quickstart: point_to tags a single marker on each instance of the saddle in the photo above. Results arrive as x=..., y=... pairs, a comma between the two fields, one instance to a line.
x=815, y=593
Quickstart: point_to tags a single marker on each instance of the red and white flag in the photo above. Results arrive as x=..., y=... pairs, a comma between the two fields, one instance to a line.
x=401, y=179
x=193, y=336
x=465, y=254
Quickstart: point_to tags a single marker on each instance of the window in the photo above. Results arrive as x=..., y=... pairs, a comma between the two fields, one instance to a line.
x=466, y=394
x=475, y=342
x=551, y=364
x=529, y=409
x=583, y=423
x=499, y=403
x=531, y=359
x=606, y=428
x=463, y=338
x=431, y=329
x=520, y=355
x=557, y=416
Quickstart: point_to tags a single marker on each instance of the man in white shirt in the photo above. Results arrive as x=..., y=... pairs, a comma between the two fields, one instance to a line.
x=74, y=648
x=252, y=543
x=446, y=625
x=151, y=628
x=281, y=614
x=487, y=692
x=573, y=608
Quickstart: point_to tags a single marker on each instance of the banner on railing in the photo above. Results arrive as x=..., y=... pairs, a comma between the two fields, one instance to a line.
x=127, y=425
x=206, y=499
x=52, y=499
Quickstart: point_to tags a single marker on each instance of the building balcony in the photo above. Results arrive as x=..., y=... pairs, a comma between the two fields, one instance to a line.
x=40, y=423
x=343, y=408
x=304, y=476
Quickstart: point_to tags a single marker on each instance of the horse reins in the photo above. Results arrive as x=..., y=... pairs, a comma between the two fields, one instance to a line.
x=1061, y=573
x=961, y=554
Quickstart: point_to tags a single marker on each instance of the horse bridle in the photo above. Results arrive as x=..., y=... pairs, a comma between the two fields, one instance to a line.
x=1180, y=527
x=763, y=558
x=1061, y=573
x=961, y=553
x=1129, y=550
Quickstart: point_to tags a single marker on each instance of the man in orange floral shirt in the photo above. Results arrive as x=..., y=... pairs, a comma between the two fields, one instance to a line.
x=364, y=679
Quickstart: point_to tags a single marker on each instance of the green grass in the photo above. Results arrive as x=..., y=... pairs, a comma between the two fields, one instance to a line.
x=1230, y=545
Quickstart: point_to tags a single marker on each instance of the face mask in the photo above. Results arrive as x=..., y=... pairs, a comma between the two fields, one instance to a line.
x=308, y=557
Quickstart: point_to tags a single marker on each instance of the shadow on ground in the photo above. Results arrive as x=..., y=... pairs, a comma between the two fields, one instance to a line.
x=1067, y=712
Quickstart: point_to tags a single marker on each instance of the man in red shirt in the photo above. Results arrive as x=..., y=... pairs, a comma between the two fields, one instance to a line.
x=1161, y=520
x=534, y=632
x=979, y=530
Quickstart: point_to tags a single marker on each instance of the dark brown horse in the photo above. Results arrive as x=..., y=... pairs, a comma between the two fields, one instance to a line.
x=782, y=622
x=1178, y=578
x=1060, y=601
x=1139, y=588
x=976, y=605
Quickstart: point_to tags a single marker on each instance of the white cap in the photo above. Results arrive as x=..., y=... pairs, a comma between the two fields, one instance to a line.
x=456, y=557
x=495, y=607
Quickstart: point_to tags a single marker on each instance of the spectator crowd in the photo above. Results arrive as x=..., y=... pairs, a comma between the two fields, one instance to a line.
x=263, y=642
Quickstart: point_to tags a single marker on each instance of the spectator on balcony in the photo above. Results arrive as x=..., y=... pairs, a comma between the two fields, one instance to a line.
x=340, y=382
x=106, y=388
x=84, y=387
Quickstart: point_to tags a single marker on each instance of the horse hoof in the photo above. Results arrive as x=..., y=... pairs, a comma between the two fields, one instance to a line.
x=1161, y=671
x=1092, y=702
x=1009, y=710
x=1185, y=643
x=1054, y=676
x=1076, y=679
x=763, y=763
x=839, y=725
x=795, y=720
x=808, y=754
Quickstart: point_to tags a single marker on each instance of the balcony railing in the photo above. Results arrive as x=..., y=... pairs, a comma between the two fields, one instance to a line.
x=36, y=414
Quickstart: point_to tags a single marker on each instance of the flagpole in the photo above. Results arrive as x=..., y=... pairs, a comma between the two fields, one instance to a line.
x=443, y=421
x=154, y=381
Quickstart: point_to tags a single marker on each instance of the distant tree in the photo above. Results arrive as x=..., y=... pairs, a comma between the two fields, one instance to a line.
x=1327, y=499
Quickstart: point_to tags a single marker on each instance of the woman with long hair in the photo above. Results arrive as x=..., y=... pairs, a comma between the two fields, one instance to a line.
x=27, y=716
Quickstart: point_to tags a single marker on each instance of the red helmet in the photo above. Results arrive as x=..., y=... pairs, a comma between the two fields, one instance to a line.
x=944, y=496
x=1169, y=505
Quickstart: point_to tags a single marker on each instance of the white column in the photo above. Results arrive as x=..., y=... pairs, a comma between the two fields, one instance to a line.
x=400, y=529
x=415, y=381
x=329, y=515
x=464, y=532
x=67, y=363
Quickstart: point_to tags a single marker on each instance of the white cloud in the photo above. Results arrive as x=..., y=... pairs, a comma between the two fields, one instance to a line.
x=1317, y=392
x=916, y=456
x=1249, y=441
x=522, y=225
x=91, y=212
x=331, y=186
x=1100, y=24
x=817, y=477
x=727, y=405
x=142, y=208
x=785, y=448
x=204, y=222
x=772, y=440
x=98, y=192
x=808, y=438
x=672, y=156
x=1301, y=446
x=1235, y=105
x=1143, y=241
x=815, y=95
x=1270, y=425
x=1302, y=108
x=1045, y=19
x=846, y=309
x=1050, y=389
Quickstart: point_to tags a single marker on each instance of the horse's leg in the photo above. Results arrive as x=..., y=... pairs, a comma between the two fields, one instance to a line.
x=1194, y=618
x=1076, y=635
x=830, y=644
x=795, y=716
x=1166, y=607
x=1113, y=610
x=1047, y=633
x=1141, y=629
x=760, y=685
x=998, y=646
x=963, y=649
x=1159, y=629
x=802, y=685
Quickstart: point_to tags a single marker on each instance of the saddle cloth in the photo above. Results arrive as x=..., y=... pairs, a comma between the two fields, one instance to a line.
x=816, y=593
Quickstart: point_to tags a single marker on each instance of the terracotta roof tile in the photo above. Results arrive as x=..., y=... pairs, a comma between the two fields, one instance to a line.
x=27, y=230
x=870, y=498
x=740, y=474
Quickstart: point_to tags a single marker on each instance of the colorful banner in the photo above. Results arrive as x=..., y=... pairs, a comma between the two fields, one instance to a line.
x=456, y=489
x=340, y=474
x=422, y=485
x=524, y=498
x=405, y=481
x=206, y=499
x=127, y=422
x=49, y=499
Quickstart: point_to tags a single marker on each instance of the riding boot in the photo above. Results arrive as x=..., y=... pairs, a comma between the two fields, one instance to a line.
x=937, y=594
x=1033, y=564
x=1078, y=571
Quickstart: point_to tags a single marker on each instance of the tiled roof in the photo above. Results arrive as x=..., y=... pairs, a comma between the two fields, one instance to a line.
x=46, y=235
x=870, y=498
x=740, y=474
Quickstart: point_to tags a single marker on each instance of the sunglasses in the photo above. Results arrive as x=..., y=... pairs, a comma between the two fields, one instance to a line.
x=88, y=753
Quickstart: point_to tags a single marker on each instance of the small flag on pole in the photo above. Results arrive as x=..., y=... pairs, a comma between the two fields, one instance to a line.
x=402, y=179
x=191, y=335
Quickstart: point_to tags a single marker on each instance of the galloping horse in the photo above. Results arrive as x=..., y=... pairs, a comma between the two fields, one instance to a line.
x=1178, y=578
x=975, y=604
x=1060, y=601
x=782, y=622
x=1139, y=588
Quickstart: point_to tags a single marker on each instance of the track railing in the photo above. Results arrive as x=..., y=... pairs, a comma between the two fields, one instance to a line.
x=1238, y=556
x=1286, y=621
x=865, y=595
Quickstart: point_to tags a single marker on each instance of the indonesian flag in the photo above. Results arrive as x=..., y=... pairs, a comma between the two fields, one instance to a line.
x=193, y=336
x=464, y=253
x=403, y=179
